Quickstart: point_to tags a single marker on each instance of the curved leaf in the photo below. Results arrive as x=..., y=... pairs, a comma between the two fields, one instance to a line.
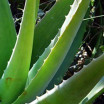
x=48, y=27
x=14, y=78
x=94, y=93
x=58, y=53
x=41, y=59
x=77, y=87
x=7, y=34
x=70, y=55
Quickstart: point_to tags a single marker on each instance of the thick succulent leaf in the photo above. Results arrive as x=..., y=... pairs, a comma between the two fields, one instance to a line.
x=73, y=90
x=7, y=34
x=53, y=27
x=58, y=53
x=70, y=55
x=41, y=59
x=48, y=27
x=94, y=93
x=67, y=61
x=15, y=75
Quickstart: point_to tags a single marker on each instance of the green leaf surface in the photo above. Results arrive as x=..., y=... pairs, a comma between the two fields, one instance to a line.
x=7, y=34
x=70, y=55
x=53, y=27
x=73, y=90
x=48, y=27
x=14, y=78
x=58, y=53
x=41, y=59
x=94, y=93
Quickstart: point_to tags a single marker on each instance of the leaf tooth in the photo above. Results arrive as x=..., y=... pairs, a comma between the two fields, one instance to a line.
x=55, y=86
x=37, y=97
x=94, y=59
x=71, y=6
x=51, y=42
x=59, y=29
x=47, y=91
x=46, y=12
x=75, y=73
x=45, y=60
x=66, y=17
x=84, y=66
x=63, y=81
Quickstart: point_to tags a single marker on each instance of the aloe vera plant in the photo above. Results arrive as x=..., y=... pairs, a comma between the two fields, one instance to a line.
x=40, y=54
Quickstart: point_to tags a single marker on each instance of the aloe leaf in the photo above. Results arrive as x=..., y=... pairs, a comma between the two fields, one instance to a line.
x=48, y=27
x=41, y=59
x=14, y=78
x=58, y=53
x=70, y=55
x=94, y=93
x=67, y=61
x=7, y=34
x=73, y=90
x=53, y=27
